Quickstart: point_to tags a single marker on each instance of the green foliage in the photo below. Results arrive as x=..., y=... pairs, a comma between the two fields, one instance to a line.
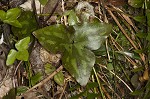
x=148, y=16
x=49, y=68
x=21, y=53
x=11, y=94
x=58, y=78
x=72, y=17
x=140, y=18
x=22, y=44
x=43, y=2
x=21, y=89
x=36, y=78
x=76, y=43
x=10, y=17
x=136, y=3
x=58, y=34
x=29, y=24
x=11, y=57
x=87, y=93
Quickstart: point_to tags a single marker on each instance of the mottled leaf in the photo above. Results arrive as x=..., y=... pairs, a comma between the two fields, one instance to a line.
x=75, y=43
x=91, y=35
x=79, y=62
x=53, y=38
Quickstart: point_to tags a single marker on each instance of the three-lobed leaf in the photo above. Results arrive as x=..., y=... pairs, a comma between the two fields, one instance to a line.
x=10, y=17
x=76, y=43
x=21, y=54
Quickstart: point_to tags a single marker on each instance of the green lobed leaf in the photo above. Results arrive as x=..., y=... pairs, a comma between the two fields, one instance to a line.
x=22, y=44
x=22, y=55
x=11, y=57
x=136, y=3
x=29, y=24
x=2, y=15
x=13, y=13
x=53, y=38
x=91, y=35
x=59, y=78
x=76, y=44
x=79, y=62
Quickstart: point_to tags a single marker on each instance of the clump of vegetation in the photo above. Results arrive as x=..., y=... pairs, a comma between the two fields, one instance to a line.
x=75, y=49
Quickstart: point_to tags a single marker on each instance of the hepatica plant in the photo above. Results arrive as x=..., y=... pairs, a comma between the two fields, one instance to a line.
x=76, y=43
x=10, y=17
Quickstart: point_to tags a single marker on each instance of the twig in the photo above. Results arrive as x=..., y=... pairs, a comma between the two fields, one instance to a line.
x=63, y=91
x=17, y=67
x=46, y=79
x=52, y=12
x=125, y=34
x=117, y=77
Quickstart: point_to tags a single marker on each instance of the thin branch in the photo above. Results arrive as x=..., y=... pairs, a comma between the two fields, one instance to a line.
x=46, y=79
x=117, y=77
x=52, y=12
x=125, y=34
